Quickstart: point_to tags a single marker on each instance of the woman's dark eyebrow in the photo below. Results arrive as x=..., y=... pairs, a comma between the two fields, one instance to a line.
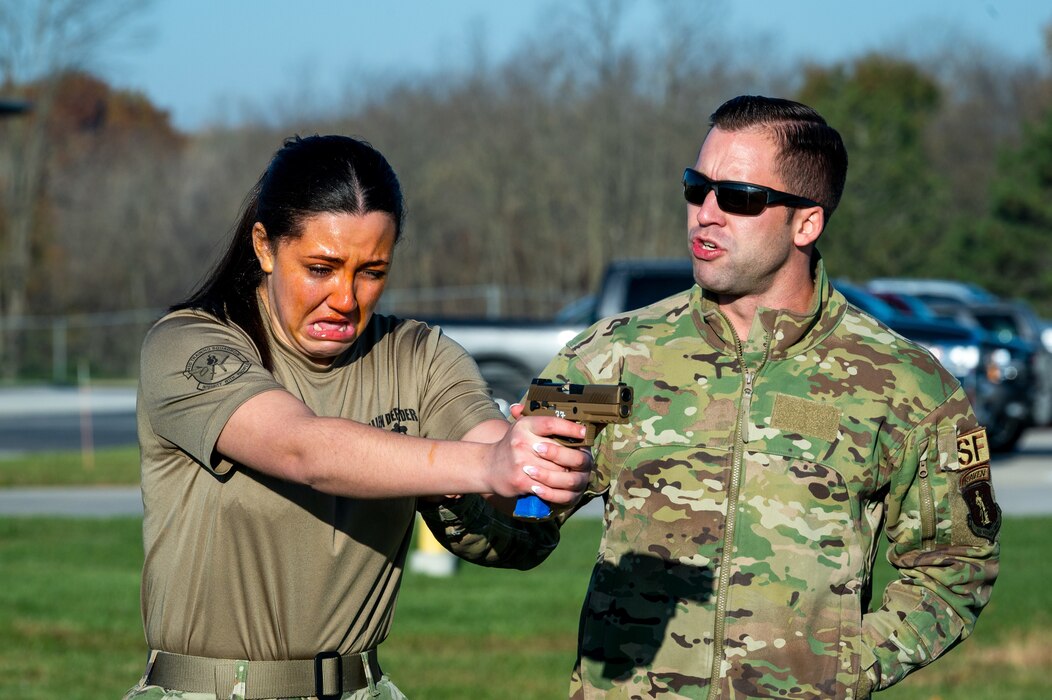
x=336, y=259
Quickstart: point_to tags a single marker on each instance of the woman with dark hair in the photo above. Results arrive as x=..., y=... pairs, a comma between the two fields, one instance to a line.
x=289, y=435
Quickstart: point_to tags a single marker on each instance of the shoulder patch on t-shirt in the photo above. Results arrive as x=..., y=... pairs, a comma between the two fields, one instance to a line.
x=216, y=365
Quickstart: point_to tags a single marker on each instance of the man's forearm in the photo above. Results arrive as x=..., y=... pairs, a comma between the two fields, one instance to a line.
x=477, y=532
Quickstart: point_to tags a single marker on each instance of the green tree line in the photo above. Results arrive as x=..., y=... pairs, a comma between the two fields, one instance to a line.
x=532, y=172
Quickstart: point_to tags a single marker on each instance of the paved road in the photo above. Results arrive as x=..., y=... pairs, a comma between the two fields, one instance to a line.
x=1023, y=480
x=61, y=418
x=77, y=502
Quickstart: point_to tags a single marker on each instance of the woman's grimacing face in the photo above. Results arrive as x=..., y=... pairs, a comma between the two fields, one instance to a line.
x=321, y=288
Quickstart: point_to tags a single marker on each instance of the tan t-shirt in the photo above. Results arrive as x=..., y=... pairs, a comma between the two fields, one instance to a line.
x=242, y=565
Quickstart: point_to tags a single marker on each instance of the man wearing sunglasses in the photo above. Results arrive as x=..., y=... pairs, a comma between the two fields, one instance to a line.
x=776, y=431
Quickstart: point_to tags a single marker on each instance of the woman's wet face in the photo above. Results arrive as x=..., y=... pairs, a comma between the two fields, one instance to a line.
x=321, y=288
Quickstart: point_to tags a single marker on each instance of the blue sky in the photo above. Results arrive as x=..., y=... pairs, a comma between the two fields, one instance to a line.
x=211, y=60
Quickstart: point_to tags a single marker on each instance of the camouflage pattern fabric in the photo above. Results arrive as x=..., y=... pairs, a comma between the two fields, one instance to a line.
x=468, y=527
x=744, y=500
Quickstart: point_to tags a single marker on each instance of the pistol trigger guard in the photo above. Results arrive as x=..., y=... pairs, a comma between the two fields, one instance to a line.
x=571, y=442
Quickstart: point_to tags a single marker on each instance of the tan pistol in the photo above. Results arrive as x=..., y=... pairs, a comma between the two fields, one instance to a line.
x=593, y=405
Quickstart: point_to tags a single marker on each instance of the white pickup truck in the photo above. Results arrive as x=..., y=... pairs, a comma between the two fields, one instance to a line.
x=511, y=353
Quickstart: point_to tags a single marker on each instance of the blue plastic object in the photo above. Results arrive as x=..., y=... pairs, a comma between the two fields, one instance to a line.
x=532, y=508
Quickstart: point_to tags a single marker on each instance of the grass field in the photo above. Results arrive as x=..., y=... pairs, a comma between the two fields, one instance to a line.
x=70, y=626
x=69, y=621
x=111, y=466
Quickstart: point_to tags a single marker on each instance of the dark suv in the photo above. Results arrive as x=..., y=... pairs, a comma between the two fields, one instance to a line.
x=1014, y=322
x=982, y=363
x=1018, y=369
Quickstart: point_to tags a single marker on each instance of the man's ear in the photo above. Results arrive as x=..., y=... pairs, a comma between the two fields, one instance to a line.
x=262, y=247
x=809, y=223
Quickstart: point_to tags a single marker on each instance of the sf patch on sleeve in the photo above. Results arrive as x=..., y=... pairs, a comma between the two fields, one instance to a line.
x=973, y=464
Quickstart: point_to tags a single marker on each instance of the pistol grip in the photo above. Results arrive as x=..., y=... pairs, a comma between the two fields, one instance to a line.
x=592, y=429
x=532, y=507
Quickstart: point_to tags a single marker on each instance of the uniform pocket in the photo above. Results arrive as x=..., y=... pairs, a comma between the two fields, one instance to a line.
x=646, y=618
x=794, y=601
x=669, y=501
x=649, y=611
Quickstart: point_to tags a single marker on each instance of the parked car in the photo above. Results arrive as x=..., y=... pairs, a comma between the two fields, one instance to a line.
x=1014, y=322
x=932, y=290
x=906, y=304
x=511, y=352
x=1011, y=323
x=984, y=366
x=866, y=300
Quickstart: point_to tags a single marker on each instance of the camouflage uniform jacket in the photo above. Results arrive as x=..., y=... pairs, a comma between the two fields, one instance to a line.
x=744, y=500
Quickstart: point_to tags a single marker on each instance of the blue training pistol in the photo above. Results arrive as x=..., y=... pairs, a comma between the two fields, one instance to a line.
x=593, y=405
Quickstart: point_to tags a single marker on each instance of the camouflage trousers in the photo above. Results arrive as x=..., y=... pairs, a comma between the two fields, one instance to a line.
x=383, y=689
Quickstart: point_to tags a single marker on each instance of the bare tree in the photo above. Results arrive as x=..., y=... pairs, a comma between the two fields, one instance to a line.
x=989, y=100
x=530, y=173
x=38, y=43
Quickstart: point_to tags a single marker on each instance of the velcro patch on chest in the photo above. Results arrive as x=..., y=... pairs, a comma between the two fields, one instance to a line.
x=792, y=414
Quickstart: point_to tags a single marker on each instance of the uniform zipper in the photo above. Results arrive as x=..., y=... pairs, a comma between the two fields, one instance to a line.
x=728, y=530
x=927, y=506
x=746, y=408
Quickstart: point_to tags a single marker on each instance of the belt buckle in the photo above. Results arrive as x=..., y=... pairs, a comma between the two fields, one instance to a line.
x=319, y=675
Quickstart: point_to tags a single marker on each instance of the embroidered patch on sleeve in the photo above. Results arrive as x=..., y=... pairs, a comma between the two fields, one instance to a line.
x=972, y=450
x=973, y=464
x=795, y=415
x=216, y=365
x=984, y=515
x=974, y=476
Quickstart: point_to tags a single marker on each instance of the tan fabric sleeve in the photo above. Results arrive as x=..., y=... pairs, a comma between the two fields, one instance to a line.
x=195, y=373
x=455, y=397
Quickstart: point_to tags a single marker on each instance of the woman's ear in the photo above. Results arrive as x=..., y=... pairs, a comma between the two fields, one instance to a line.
x=809, y=224
x=262, y=247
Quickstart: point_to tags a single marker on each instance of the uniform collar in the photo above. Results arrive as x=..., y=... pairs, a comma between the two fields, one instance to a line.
x=775, y=333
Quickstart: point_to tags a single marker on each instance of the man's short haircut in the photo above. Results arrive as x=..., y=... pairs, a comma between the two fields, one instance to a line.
x=811, y=160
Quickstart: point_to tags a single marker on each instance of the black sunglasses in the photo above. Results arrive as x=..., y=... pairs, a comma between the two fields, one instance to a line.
x=738, y=197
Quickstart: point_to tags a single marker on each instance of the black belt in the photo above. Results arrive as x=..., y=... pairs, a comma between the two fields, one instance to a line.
x=327, y=675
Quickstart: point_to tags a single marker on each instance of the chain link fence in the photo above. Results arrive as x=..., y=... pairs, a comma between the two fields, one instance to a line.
x=65, y=349
x=62, y=349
